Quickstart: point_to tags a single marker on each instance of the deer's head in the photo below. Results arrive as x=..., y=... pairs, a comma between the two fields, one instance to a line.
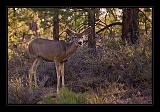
x=77, y=38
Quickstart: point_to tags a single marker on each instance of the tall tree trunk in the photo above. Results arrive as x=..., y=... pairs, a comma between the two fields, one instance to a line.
x=91, y=22
x=130, y=25
x=56, y=25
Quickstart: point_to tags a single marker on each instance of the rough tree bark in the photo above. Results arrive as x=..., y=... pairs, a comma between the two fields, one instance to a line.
x=130, y=25
x=56, y=25
x=91, y=22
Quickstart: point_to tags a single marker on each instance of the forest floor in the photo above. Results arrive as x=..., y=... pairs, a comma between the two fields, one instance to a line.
x=115, y=74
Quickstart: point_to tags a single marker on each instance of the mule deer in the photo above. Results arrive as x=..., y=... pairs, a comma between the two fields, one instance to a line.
x=57, y=51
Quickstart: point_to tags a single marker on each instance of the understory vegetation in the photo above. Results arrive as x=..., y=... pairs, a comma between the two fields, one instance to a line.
x=114, y=66
x=113, y=74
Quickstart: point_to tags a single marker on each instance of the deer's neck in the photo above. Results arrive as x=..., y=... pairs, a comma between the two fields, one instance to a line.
x=70, y=49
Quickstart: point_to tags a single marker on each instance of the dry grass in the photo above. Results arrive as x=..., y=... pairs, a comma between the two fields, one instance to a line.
x=115, y=74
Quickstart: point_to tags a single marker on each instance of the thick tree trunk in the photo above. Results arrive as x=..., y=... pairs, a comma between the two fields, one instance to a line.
x=130, y=25
x=91, y=22
x=56, y=25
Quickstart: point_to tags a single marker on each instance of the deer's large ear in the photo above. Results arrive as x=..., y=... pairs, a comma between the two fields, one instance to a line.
x=69, y=32
x=87, y=31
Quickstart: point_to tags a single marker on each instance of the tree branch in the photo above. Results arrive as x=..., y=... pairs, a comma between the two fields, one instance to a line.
x=145, y=15
x=107, y=26
x=100, y=24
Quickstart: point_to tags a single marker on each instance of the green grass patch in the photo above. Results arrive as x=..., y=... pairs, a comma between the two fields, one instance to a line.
x=67, y=96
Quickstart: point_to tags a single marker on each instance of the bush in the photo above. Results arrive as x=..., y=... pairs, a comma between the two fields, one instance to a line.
x=108, y=95
x=65, y=96
x=69, y=97
x=17, y=93
x=87, y=72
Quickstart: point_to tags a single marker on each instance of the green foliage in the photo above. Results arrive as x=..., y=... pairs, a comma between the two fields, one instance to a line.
x=65, y=96
x=18, y=19
x=69, y=97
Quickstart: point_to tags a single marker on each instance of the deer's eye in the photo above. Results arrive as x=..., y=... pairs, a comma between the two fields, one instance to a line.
x=74, y=38
x=68, y=39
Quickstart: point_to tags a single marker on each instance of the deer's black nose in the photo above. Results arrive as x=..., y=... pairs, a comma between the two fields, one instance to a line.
x=80, y=43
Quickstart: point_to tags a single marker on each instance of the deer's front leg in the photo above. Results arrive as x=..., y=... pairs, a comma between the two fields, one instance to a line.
x=62, y=74
x=58, y=71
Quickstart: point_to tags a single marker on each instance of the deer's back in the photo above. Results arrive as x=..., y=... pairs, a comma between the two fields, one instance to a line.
x=47, y=49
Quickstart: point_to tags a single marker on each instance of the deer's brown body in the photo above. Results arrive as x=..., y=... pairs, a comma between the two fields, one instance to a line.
x=51, y=50
x=57, y=51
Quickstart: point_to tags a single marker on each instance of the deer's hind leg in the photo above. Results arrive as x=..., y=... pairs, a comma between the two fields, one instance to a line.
x=36, y=66
x=31, y=72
